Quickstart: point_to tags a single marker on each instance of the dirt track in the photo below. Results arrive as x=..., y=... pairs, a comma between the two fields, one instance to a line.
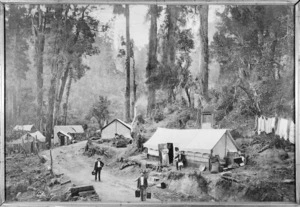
x=71, y=161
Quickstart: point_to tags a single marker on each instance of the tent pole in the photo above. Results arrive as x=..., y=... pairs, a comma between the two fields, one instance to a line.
x=225, y=143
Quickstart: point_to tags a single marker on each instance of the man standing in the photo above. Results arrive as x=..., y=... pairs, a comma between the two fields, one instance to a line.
x=142, y=184
x=139, y=143
x=97, y=168
x=180, y=159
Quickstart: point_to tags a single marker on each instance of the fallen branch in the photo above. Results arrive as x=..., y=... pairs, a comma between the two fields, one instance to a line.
x=51, y=165
x=66, y=182
x=264, y=148
x=230, y=179
x=288, y=181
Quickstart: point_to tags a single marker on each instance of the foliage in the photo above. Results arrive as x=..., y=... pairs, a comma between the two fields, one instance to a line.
x=177, y=43
x=100, y=111
x=251, y=48
x=17, y=23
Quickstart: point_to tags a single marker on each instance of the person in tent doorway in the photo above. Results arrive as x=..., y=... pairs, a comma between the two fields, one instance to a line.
x=142, y=185
x=97, y=168
x=165, y=156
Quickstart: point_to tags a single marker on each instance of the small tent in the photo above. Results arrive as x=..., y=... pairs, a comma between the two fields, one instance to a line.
x=29, y=142
x=116, y=126
x=198, y=144
x=66, y=131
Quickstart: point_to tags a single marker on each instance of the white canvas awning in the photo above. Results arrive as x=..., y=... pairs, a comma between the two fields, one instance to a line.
x=72, y=129
x=66, y=134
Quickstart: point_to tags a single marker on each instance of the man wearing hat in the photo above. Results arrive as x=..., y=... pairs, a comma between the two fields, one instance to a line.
x=142, y=184
x=97, y=168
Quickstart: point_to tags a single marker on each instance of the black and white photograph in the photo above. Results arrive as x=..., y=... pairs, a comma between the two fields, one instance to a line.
x=149, y=103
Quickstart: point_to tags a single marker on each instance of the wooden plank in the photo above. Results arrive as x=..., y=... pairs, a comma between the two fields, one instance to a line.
x=78, y=189
x=2, y=144
x=297, y=99
x=87, y=193
x=147, y=2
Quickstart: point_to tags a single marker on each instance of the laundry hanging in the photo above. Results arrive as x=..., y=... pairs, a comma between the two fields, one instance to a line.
x=283, y=129
x=292, y=133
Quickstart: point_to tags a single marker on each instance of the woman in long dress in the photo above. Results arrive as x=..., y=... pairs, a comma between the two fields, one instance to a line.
x=165, y=156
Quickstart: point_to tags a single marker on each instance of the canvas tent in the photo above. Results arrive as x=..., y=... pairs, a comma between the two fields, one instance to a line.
x=25, y=128
x=116, y=126
x=66, y=131
x=198, y=144
x=29, y=142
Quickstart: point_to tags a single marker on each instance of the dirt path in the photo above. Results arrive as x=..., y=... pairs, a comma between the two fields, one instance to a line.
x=70, y=161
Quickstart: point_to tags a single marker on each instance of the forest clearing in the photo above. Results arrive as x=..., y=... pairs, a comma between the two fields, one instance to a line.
x=168, y=103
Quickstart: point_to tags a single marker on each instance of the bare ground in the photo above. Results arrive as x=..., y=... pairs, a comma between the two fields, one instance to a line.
x=112, y=188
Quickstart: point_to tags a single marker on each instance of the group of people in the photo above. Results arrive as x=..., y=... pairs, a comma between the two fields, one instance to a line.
x=179, y=158
x=142, y=182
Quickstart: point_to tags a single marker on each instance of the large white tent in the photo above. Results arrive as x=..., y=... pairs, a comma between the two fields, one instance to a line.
x=198, y=144
x=116, y=126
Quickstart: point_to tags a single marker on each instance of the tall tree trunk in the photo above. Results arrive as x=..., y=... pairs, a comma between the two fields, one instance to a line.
x=170, y=46
x=67, y=97
x=204, y=55
x=275, y=69
x=134, y=87
x=127, y=90
x=39, y=52
x=60, y=93
x=152, y=59
x=51, y=100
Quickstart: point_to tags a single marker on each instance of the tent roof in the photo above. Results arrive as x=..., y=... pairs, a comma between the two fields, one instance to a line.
x=38, y=135
x=187, y=139
x=119, y=120
x=69, y=128
x=29, y=137
x=23, y=128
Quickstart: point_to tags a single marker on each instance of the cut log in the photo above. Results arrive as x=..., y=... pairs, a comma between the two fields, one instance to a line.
x=264, y=148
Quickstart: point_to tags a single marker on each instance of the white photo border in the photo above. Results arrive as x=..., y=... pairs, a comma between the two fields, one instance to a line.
x=145, y=2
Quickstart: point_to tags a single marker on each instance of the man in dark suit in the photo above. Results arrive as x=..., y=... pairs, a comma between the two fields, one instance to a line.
x=142, y=184
x=97, y=168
